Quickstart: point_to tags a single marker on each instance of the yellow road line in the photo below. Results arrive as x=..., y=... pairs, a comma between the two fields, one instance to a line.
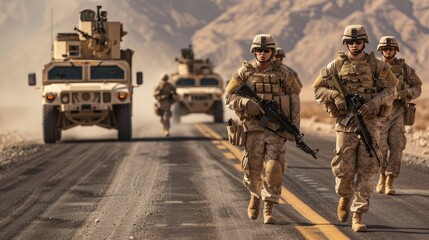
x=229, y=155
x=322, y=229
x=310, y=232
x=221, y=147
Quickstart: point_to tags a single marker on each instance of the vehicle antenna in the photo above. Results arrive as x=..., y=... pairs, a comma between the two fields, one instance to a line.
x=52, y=30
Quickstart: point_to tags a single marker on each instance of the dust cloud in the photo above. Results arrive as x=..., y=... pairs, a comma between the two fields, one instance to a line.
x=219, y=30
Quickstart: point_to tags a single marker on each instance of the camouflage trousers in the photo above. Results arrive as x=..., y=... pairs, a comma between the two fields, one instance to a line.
x=165, y=113
x=392, y=144
x=354, y=169
x=264, y=163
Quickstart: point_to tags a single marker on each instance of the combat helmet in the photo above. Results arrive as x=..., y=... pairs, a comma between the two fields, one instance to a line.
x=355, y=32
x=164, y=76
x=280, y=52
x=263, y=41
x=388, y=41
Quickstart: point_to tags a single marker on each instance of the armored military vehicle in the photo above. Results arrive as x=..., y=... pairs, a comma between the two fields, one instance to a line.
x=199, y=88
x=88, y=82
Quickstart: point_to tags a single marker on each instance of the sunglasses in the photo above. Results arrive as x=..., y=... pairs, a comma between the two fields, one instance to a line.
x=259, y=50
x=386, y=49
x=357, y=42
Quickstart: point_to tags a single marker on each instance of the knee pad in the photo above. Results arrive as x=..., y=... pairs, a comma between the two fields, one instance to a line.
x=273, y=172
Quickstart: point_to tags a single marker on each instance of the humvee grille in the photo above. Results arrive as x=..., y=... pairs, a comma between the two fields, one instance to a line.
x=200, y=97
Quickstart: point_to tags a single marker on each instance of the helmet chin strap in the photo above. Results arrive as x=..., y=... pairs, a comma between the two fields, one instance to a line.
x=357, y=52
x=269, y=59
x=389, y=57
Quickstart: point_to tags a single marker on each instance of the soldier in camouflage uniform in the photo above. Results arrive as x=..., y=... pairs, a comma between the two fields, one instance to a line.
x=356, y=72
x=393, y=138
x=279, y=55
x=271, y=80
x=165, y=94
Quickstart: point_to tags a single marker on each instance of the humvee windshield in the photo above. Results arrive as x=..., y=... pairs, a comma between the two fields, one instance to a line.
x=209, y=82
x=73, y=73
x=106, y=72
x=185, y=82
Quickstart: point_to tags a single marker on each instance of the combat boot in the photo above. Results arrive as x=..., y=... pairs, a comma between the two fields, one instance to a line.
x=253, y=208
x=166, y=132
x=343, y=209
x=357, y=224
x=268, y=213
x=381, y=183
x=389, y=186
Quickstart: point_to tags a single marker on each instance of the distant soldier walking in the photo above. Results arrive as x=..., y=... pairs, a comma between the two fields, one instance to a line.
x=270, y=80
x=165, y=94
x=371, y=82
x=393, y=140
x=279, y=55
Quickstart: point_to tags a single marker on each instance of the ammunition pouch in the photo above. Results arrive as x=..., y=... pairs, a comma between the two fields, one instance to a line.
x=157, y=109
x=332, y=109
x=410, y=114
x=236, y=134
x=385, y=110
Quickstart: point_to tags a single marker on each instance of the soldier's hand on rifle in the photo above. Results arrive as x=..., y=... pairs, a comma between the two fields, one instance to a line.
x=340, y=102
x=403, y=94
x=252, y=109
x=290, y=137
x=367, y=109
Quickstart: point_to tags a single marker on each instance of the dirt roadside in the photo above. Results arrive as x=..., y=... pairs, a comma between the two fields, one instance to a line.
x=14, y=146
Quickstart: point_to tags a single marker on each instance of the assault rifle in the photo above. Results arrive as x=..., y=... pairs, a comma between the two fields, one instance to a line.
x=86, y=35
x=272, y=112
x=355, y=102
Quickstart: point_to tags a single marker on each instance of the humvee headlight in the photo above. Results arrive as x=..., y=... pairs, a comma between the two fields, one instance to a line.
x=218, y=95
x=122, y=95
x=50, y=97
x=65, y=98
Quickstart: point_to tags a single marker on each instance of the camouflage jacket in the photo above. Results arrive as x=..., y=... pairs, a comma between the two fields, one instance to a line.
x=368, y=77
x=165, y=92
x=285, y=85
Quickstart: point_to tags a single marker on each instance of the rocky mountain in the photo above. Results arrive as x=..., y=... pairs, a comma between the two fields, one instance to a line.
x=310, y=32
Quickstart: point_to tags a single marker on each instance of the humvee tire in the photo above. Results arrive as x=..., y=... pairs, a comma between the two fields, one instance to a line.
x=50, y=128
x=58, y=135
x=123, y=121
x=176, y=113
x=218, y=112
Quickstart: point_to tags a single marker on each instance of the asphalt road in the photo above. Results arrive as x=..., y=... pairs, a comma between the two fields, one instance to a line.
x=188, y=186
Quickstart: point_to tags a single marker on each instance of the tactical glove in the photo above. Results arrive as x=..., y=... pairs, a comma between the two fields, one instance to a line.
x=340, y=102
x=290, y=137
x=403, y=94
x=252, y=109
x=367, y=109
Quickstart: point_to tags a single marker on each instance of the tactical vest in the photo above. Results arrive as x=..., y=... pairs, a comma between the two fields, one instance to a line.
x=165, y=91
x=358, y=76
x=274, y=85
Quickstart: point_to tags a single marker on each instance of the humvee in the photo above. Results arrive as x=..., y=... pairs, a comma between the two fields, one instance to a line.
x=198, y=87
x=88, y=81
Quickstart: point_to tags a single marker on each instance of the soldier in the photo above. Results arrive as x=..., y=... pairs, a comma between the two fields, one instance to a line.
x=393, y=138
x=165, y=94
x=272, y=81
x=355, y=72
x=279, y=55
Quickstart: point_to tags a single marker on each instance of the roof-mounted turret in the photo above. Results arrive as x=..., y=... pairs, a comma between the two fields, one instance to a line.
x=188, y=65
x=98, y=38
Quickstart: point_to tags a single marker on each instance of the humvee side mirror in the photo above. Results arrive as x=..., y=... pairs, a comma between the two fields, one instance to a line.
x=32, y=79
x=139, y=76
